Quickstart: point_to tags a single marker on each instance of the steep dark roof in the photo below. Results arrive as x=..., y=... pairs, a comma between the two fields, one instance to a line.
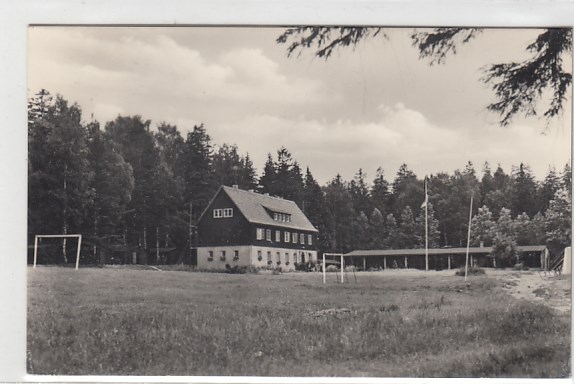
x=253, y=206
x=438, y=251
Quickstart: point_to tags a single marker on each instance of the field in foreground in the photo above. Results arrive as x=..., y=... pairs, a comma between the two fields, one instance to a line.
x=116, y=321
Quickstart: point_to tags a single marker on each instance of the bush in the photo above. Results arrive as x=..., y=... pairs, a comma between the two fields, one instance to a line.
x=472, y=271
x=332, y=268
x=504, y=251
x=520, y=267
x=277, y=271
x=252, y=269
x=236, y=269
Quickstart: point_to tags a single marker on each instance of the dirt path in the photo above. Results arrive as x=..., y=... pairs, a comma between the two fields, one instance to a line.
x=550, y=289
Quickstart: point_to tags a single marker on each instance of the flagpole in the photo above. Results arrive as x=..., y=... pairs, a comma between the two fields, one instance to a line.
x=468, y=239
x=426, y=229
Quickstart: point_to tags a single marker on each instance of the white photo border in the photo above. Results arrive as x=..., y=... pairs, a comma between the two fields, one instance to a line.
x=16, y=16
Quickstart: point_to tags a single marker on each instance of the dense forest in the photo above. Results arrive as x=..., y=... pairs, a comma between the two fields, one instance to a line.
x=129, y=182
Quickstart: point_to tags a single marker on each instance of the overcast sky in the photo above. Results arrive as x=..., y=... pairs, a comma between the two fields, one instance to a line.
x=375, y=105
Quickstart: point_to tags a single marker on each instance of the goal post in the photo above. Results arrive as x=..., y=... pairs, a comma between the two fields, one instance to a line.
x=38, y=237
x=325, y=269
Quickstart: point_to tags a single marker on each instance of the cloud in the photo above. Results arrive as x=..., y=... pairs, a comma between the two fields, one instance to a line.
x=399, y=135
x=328, y=114
x=152, y=73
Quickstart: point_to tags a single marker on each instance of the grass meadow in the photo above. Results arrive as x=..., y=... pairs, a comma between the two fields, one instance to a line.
x=115, y=321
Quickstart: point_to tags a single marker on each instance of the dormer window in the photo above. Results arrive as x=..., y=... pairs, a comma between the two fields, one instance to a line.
x=279, y=216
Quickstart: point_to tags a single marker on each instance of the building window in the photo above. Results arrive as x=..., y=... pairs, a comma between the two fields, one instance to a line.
x=210, y=256
x=228, y=212
x=278, y=216
x=278, y=258
x=302, y=238
x=222, y=257
x=310, y=239
x=268, y=235
x=217, y=213
x=269, y=260
x=278, y=236
x=260, y=232
x=294, y=237
x=236, y=255
x=294, y=257
x=286, y=258
x=287, y=237
x=259, y=257
x=310, y=256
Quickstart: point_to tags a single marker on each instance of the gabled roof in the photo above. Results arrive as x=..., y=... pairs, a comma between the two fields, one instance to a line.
x=439, y=251
x=253, y=206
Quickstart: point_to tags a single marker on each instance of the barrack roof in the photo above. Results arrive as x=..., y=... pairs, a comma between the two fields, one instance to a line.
x=255, y=206
x=439, y=251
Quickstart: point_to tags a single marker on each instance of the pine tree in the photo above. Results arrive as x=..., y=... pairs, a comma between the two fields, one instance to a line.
x=154, y=198
x=268, y=180
x=378, y=234
x=407, y=190
x=392, y=239
x=361, y=232
x=380, y=192
x=196, y=169
x=523, y=191
x=227, y=166
x=59, y=173
x=112, y=184
x=548, y=189
x=170, y=144
x=360, y=196
x=407, y=229
x=338, y=215
x=248, y=174
x=433, y=228
x=487, y=184
x=500, y=196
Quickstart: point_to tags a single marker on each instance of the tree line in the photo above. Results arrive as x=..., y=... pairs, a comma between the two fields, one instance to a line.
x=127, y=183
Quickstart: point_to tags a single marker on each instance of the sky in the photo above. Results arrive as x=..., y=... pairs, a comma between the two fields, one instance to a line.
x=374, y=105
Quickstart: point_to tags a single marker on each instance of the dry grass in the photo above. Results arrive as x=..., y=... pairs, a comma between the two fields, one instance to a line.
x=144, y=322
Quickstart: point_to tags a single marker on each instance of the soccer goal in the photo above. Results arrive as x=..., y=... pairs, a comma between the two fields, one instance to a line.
x=37, y=239
x=324, y=266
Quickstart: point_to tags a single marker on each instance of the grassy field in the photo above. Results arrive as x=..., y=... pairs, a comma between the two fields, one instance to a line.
x=145, y=322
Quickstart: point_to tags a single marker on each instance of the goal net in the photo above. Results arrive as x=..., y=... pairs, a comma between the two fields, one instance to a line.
x=37, y=245
x=331, y=258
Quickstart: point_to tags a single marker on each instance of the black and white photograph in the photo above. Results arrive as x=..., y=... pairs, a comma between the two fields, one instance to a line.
x=299, y=201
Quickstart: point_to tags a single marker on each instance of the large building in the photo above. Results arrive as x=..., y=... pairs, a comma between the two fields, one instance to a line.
x=245, y=228
x=532, y=256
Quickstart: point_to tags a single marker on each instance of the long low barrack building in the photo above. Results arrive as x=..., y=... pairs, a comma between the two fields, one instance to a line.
x=532, y=256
